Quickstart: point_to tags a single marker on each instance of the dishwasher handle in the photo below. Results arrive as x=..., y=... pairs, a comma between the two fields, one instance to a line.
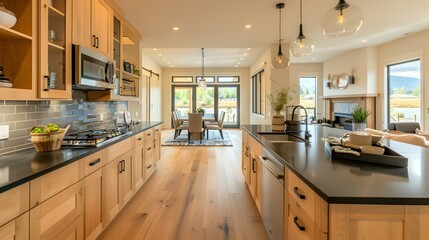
x=276, y=174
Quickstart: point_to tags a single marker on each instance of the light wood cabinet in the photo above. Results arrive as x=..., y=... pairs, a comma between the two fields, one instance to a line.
x=93, y=212
x=55, y=50
x=17, y=229
x=14, y=202
x=138, y=166
x=51, y=217
x=117, y=186
x=245, y=157
x=91, y=25
x=118, y=149
x=73, y=231
x=149, y=165
x=18, y=51
x=94, y=162
x=157, y=145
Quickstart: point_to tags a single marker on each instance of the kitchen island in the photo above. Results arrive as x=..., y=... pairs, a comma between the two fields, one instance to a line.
x=350, y=197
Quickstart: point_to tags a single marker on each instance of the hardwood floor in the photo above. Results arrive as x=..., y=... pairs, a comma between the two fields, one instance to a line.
x=196, y=193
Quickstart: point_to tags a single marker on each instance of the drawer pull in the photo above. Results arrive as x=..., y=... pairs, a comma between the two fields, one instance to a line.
x=253, y=165
x=139, y=138
x=149, y=148
x=276, y=175
x=95, y=162
x=299, y=226
x=298, y=193
x=93, y=40
x=157, y=130
x=148, y=134
x=149, y=166
x=120, y=167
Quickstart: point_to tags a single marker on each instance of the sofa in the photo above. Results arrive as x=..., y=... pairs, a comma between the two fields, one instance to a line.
x=403, y=127
x=411, y=138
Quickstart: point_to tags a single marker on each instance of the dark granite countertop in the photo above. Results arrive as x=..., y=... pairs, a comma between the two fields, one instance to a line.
x=20, y=167
x=351, y=182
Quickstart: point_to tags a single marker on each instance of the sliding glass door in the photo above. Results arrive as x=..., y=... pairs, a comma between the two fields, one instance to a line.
x=214, y=100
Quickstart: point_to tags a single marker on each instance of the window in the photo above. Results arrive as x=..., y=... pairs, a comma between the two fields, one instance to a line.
x=403, y=82
x=307, y=95
x=208, y=79
x=182, y=79
x=228, y=79
x=258, y=91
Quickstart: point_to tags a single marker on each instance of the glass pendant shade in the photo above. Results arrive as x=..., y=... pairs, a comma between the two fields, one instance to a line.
x=302, y=47
x=202, y=84
x=342, y=20
x=280, y=60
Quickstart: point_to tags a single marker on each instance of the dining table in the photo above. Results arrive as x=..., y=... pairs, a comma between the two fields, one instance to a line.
x=205, y=118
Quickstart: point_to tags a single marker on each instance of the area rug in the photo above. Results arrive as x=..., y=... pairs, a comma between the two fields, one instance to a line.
x=214, y=140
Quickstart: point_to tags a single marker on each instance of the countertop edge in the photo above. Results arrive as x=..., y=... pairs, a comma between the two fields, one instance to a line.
x=74, y=159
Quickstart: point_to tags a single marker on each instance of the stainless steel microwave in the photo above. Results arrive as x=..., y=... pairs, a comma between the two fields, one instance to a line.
x=91, y=70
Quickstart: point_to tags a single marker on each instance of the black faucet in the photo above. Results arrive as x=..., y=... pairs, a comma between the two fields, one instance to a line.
x=307, y=133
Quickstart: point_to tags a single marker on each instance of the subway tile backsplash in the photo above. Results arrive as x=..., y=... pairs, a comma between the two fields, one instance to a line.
x=21, y=116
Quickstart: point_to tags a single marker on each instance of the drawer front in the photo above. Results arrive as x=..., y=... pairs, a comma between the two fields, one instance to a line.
x=302, y=194
x=94, y=162
x=17, y=229
x=118, y=149
x=51, y=217
x=14, y=202
x=138, y=139
x=298, y=217
x=255, y=146
x=48, y=185
x=294, y=233
x=157, y=130
x=148, y=135
x=74, y=231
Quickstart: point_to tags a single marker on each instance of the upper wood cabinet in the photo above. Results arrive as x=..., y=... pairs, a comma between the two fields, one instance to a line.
x=92, y=25
x=18, y=51
x=55, y=50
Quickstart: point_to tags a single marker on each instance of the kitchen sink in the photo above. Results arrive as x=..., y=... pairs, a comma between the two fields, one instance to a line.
x=281, y=138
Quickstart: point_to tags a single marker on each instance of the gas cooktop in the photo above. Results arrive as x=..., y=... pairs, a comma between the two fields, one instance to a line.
x=90, y=138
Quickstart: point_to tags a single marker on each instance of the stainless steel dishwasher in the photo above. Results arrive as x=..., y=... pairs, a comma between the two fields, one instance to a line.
x=272, y=195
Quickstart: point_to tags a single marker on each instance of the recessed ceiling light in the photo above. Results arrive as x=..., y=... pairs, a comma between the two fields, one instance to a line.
x=248, y=49
x=248, y=26
x=241, y=58
x=239, y=63
x=159, y=54
x=175, y=28
x=364, y=41
x=169, y=63
x=313, y=58
x=236, y=65
x=155, y=49
x=165, y=59
x=172, y=66
x=245, y=54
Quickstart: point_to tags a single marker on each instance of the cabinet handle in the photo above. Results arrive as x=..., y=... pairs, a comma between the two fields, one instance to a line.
x=154, y=143
x=299, y=226
x=295, y=189
x=149, y=148
x=46, y=80
x=148, y=134
x=96, y=39
x=93, y=40
x=253, y=165
x=45, y=6
x=120, y=167
x=244, y=168
x=157, y=130
x=139, y=138
x=149, y=166
x=123, y=166
x=95, y=162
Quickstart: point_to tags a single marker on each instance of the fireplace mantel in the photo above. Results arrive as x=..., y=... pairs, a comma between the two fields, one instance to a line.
x=366, y=101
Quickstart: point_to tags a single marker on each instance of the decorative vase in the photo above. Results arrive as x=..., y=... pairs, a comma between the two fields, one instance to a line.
x=278, y=122
x=358, y=126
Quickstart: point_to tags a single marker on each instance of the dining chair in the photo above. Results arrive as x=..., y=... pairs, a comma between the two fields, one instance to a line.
x=177, y=126
x=195, y=125
x=216, y=125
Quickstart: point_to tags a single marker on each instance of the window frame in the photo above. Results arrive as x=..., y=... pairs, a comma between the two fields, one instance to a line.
x=257, y=80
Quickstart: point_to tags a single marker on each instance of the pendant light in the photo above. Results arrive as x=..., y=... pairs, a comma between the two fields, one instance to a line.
x=302, y=46
x=280, y=60
x=202, y=83
x=342, y=20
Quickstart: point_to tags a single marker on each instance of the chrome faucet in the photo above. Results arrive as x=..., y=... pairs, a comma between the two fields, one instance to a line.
x=307, y=133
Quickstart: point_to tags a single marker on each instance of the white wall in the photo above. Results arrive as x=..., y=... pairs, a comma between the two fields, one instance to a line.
x=168, y=73
x=411, y=47
x=361, y=63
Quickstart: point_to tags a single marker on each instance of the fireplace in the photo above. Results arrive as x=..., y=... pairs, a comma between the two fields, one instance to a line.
x=343, y=120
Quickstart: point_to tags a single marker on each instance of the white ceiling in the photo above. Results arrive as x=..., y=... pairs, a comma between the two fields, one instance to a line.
x=218, y=26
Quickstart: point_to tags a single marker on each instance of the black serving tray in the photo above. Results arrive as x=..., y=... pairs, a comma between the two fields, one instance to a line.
x=390, y=157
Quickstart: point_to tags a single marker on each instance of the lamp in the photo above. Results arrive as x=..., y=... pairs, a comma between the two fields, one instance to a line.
x=280, y=60
x=302, y=46
x=202, y=83
x=342, y=20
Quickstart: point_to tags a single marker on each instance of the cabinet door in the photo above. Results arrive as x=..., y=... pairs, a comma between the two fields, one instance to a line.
x=416, y=222
x=252, y=174
x=51, y=217
x=17, y=229
x=148, y=160
x=74, y=231
x=258, y=192
x=369, y=222
x=157, y=145
x=126, y=178
x=111, y=198
x=101, y=22
x=93, y=210
x=55, y=50
x=138, y=170
x=81, y=34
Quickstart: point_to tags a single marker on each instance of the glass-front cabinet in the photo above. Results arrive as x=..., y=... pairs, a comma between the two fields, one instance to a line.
x=18, y=51
x=55, y=49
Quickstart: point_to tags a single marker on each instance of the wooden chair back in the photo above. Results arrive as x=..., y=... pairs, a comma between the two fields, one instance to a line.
x=195, y=122
x=221, y=118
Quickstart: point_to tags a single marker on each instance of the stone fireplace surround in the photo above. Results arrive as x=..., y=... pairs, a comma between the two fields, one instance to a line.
x=344, y=104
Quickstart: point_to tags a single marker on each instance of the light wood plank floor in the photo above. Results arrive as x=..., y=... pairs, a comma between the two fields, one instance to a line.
x=196, y=193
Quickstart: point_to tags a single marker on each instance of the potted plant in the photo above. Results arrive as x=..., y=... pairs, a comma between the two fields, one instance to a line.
x=278, y=102
x=359, y=116
x=200, y=110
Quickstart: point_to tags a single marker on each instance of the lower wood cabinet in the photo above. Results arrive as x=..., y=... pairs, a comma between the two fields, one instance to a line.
x=51, y=217
x=138, y=166
x=93, y=212
x=117, y=186
x=73, y=231
x=17, y=229
x=14, y=202
x=157, y=145
x=149, y=163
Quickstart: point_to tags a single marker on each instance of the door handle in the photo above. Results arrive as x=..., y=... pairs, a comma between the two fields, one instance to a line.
x=276, y=175
x=253, y=165
x=46, y=80
x=93, y=40
x=149, y=166
x=96, y=39
x=301, y=196
x=120, y=167
x=298, y=225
